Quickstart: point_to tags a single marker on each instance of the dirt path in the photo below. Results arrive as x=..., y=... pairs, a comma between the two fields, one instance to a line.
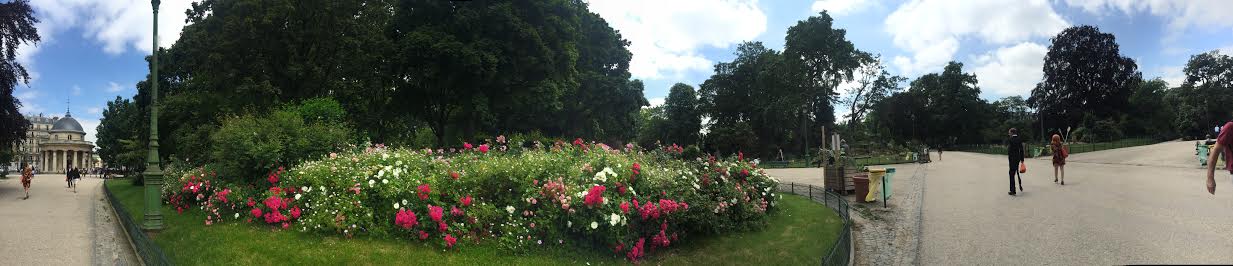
x=56, y=226
x=1126, y=206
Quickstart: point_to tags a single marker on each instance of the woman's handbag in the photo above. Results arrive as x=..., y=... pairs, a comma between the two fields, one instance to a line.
x=1022, y=167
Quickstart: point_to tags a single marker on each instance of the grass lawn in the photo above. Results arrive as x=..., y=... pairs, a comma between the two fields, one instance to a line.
x=798, y=234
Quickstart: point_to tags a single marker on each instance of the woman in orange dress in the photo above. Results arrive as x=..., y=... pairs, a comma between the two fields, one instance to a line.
x=26, y=175
x=1059, y=159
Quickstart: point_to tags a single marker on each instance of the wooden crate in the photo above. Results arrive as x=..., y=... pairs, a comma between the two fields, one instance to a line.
x=839, y=179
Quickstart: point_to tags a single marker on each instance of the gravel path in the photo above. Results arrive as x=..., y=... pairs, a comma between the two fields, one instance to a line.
x=56, y=226
x=1126, y=206
x=883, y=235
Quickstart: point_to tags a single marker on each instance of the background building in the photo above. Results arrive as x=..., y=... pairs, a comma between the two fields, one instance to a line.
x=53, y=144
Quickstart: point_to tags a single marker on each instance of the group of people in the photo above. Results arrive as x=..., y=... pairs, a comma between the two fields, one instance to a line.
x=1017, y=156
x=27, y=176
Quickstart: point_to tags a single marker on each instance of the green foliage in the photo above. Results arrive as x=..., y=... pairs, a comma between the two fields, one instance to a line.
x=940, y=109
x=246, y=147
x=511, y=199
x=1151, y=113
x=1205, y=99
x=122, y=135
x=779, y=100
x=1084, y=72
x=17, y=22
x=684, y=119
x=652, y=127
x=395, y=67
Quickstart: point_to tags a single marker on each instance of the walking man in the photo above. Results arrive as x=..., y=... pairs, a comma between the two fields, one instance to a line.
x=1224, y=147
x=1015, y=155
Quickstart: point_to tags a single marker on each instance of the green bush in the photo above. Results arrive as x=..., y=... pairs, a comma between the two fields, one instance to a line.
x=250, y=146
x=582, y=194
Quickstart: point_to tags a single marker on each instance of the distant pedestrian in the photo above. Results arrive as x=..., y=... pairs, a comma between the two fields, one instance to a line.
x=1060, y=153
x=1014, y=155
x=939, y=153
x=27, y=175
x=1224, y=147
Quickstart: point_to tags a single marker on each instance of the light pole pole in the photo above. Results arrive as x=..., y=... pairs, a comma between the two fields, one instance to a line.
x=153, y=175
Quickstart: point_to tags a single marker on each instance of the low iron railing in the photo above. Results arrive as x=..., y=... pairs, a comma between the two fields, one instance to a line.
x=146, y=250
x=841, y=251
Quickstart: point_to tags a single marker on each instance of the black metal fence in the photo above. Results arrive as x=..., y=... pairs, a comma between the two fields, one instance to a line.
x=147, y=251
x=841, y=252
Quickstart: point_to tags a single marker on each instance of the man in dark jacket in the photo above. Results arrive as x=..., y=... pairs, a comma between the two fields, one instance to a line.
x=1015, y=154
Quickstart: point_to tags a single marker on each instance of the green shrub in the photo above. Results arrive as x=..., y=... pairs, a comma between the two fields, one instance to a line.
x=535, y=198
x=250, y=146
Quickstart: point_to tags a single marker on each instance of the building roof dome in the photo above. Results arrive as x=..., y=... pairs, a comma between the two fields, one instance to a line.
x=67, y=123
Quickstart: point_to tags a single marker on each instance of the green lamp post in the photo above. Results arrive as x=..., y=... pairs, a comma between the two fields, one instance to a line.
x=153, y=175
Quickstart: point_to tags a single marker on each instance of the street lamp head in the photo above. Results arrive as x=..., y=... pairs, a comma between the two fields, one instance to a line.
x=154, y=3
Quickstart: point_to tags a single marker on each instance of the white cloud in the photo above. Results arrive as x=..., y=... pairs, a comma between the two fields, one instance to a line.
x=117, y=24
x=841, y=7
x=655, y=102
x=76, y=90
x=1012, y=70
x=665, y=35
x=1172, y=74
x=27, y=95
x=94, y=110
x=1180, y=14
x=1227, y=50
x=114, y=87
x=931, y=30
x=90, y=126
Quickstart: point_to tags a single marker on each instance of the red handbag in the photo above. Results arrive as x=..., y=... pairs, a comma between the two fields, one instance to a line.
x=1022, y=167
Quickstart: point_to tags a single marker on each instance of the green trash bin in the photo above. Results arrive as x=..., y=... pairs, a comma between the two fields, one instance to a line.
x=1202, y=151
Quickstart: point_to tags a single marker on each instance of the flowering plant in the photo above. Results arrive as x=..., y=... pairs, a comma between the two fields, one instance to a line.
x=631, y=202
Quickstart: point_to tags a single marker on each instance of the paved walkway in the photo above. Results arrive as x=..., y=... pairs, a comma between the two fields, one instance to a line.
x=56, y=226
x=1126, y=206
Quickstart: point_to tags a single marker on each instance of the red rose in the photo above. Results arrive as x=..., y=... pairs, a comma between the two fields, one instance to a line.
x=256, y=212
x=450, y=240
x=424, y=189
x=483, y=148
x=466, y=201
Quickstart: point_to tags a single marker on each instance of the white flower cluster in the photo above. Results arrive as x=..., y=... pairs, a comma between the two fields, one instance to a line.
x=603, y=175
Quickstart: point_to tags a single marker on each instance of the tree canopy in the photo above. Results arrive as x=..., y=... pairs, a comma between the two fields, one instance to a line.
x=1084, y=73
x=16, y=28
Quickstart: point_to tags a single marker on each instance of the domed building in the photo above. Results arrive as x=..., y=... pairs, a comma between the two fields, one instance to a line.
x=55, y=144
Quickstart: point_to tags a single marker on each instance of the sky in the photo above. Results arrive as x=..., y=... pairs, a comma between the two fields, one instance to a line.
x=93, y=50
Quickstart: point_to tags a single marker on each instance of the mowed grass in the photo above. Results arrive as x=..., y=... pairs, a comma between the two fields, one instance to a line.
x=796, y=235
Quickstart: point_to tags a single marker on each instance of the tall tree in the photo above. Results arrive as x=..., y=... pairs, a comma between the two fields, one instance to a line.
x=685, y=122
x=1084, y=72
x=873, y=85
x=118, y=131
x=1151, y=115
x=938, y=108
x=16, y=28
x=1205, y=99
x=822, y=58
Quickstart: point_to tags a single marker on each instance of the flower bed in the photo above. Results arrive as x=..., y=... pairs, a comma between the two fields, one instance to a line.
x=628, y=202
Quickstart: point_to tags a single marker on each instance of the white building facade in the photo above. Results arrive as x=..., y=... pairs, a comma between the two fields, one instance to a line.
x=55, y=144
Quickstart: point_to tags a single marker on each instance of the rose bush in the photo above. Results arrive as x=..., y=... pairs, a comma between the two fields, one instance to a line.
x=626, y=201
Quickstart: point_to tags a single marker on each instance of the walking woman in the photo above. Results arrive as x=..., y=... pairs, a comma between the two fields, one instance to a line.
x=26, y=175
x=1059, y=158
x=1015, y=155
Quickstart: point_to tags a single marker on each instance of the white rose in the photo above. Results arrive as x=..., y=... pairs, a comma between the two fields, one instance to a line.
x=297, y=196
x=594, y=225
x=509, y=209
x=387, y=181
x=396, y=205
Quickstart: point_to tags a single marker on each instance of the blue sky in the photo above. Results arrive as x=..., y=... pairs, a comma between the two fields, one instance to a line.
x=1003, y=42
x=92, y=50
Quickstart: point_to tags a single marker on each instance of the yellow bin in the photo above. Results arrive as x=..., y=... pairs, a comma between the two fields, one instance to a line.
x=875, y=183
